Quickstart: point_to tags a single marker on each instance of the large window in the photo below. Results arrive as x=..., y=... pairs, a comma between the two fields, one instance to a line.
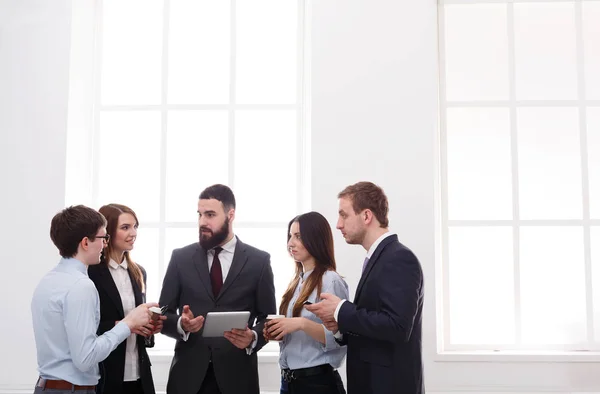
x=520, y=144
x=189, y=93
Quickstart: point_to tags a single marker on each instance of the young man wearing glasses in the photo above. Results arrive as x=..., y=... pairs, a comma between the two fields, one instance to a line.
x=66, y=309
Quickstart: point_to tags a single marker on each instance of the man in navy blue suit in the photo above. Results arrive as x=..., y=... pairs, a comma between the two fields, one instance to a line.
x=382, y=327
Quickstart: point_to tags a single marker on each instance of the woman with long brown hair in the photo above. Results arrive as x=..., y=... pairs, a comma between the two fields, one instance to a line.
x=309, y=355
x=121, y=285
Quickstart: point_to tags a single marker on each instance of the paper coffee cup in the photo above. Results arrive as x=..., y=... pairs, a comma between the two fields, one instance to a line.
x=156, y=312
x=272, y=317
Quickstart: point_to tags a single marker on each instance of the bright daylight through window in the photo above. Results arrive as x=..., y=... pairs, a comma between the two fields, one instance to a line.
x=520, y=111
x=192, y=93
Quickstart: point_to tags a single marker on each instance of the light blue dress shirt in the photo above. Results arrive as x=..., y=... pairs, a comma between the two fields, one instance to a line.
x=300, y=350
x=66, y=312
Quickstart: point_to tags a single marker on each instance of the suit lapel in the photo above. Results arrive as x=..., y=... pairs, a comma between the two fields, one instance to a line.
x=139, y=299
x=137, y=292
x=201, y=264
x=372, y=262
x=111, y=288
x=238, y=262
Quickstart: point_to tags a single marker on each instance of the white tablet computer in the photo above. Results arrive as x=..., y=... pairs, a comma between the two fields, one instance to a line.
x=216, y=323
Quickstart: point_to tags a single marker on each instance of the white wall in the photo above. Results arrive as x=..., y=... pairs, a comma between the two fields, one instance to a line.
x=374, y=117
x=34, y=59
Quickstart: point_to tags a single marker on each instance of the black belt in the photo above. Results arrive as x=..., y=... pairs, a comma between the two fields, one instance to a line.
x=290, y=374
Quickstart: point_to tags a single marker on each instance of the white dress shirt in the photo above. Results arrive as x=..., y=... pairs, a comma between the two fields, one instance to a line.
x=369, y=254
x=225, y=256
x=121, y=277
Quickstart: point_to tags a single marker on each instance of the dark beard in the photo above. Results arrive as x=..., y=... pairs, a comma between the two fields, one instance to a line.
x=216, y=238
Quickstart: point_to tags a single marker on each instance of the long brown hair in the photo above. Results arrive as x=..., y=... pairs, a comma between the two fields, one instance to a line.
x=112, y=212
x=318, y=241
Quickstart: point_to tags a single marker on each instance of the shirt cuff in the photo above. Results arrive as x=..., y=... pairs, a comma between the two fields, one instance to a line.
x=122, y=330
x=330, y=342
x=337, y=310
x=338, y=335
x=184, y=335
x=250, y=348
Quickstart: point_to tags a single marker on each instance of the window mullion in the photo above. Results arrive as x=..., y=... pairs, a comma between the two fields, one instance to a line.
x=301, y=124
x=515, y=171
x=232, y=90
x=162, y=264
x=589, y=294
x=95, y=149
x=445, y=318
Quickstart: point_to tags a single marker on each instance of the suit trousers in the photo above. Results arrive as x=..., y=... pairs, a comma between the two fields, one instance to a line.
x=209, y=385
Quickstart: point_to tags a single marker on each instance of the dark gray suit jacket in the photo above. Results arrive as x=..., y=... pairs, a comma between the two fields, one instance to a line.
x=248, y=287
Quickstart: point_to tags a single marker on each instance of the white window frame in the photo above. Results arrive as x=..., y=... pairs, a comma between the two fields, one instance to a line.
x=446, y=351
x=85, y=107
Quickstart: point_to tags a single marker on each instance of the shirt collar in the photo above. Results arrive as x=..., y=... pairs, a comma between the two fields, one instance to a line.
x=377, y=242
x=305, y=275
x=229, y=246
x=114, y=265
x=74, y=263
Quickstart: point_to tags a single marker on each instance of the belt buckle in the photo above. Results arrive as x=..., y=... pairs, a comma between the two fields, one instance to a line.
x=287, y=375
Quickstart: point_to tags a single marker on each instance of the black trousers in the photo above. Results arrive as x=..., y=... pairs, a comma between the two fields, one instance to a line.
x=328, y=382
x=209, y=384
x=133, y=387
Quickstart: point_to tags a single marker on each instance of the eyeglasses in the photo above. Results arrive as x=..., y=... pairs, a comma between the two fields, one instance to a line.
x=104, y=237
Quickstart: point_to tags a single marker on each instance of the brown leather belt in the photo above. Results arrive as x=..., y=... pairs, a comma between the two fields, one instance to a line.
x=61, y=385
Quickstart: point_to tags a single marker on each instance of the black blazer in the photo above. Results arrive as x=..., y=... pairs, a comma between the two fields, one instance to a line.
x=248, y=287
x=112, y=368
x=382, y=327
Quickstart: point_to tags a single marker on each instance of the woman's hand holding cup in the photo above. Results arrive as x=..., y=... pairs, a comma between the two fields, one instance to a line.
x=268, y=321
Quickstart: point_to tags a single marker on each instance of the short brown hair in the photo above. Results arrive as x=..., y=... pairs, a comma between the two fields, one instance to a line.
x=71, y=225
x=367, y=195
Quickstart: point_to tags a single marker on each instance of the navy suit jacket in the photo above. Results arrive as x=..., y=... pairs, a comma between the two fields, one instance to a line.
x=382, y=327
